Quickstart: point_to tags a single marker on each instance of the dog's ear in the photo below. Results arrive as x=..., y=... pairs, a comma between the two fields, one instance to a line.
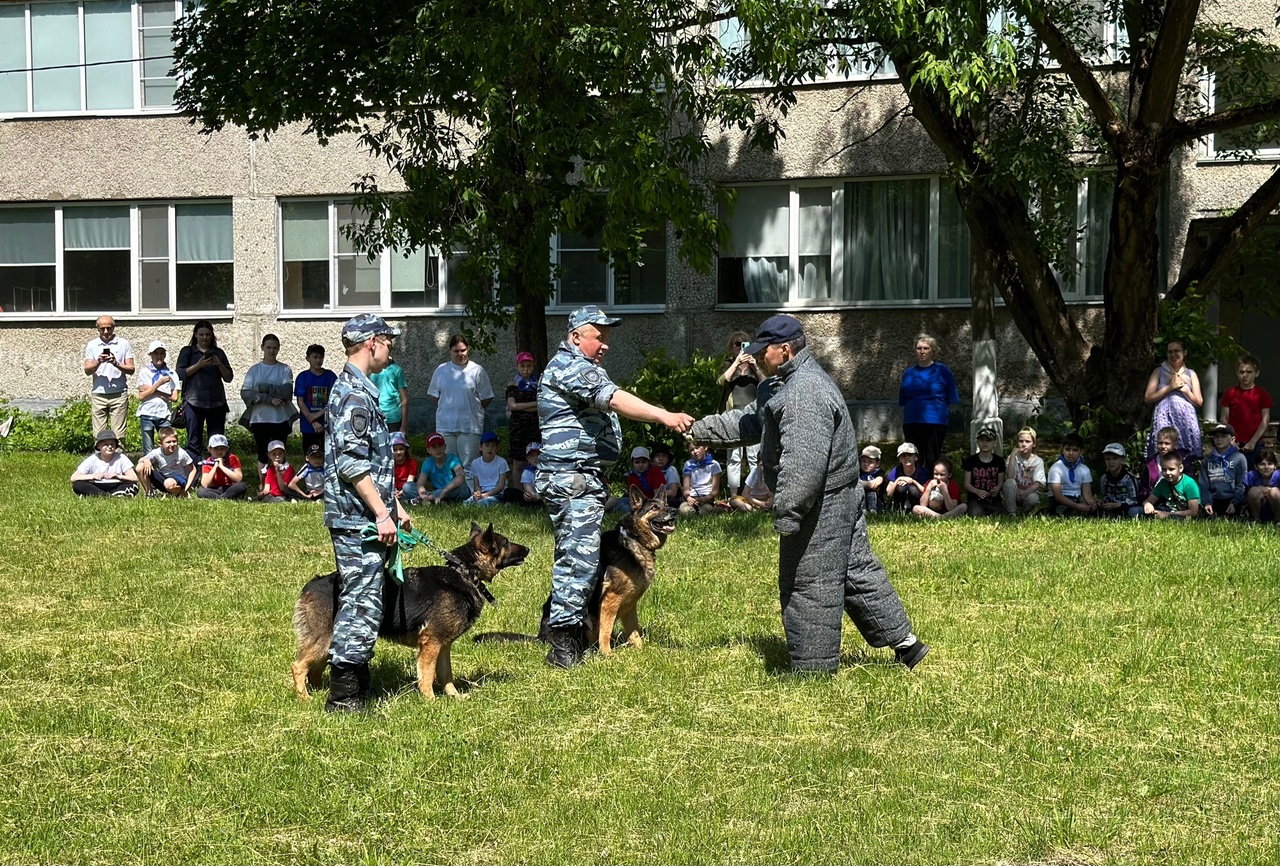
x=636, y=497
x=475, y=529
x=488, y=535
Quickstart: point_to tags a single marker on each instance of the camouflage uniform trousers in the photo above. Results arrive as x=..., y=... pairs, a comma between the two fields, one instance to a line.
x=361, y=568
x=575, y=503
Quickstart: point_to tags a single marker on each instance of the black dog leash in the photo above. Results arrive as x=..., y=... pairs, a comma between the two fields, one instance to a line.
x=411, y=538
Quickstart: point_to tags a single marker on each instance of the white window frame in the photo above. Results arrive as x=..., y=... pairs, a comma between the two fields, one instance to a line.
x=135, y=62
x=384, y=272
x=60, y=310
x=1208, y=90
x=838, y=253
x=556, y=305
x=1077, y=292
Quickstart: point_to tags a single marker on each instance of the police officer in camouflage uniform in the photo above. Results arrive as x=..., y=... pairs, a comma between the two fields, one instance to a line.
x=581, y=439
x=359, y=490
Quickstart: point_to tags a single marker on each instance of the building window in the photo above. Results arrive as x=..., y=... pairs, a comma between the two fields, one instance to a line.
x=321, y=269
x=858, y=241
x=1231, y=88
x=150, y=257
x=90, y=56
x=584, y=274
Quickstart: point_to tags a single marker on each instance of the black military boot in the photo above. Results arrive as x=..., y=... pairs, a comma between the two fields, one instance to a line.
x=566, y=647
x=345, y=694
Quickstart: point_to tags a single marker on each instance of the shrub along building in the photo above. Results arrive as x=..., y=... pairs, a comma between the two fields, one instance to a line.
x=113, y=202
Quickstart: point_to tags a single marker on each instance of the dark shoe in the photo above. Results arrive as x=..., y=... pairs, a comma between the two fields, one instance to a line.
x=912, y=655
x=566, y=647
x=345, y=693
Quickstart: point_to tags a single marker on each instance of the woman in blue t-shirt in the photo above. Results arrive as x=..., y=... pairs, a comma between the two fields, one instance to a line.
x=927, y=393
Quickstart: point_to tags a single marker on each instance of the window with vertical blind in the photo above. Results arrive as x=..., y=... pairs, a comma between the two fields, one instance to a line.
x=143, y=257
x=87, y=56
x=321, y=269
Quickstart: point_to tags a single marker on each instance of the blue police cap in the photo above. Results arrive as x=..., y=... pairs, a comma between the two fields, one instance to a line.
x=774, y=330
x=591, y=315
x=364, y=327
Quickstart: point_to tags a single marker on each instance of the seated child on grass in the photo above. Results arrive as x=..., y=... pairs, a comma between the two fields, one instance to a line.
x=308, y=484
x=221, y=476
x=701, y=482
x=1262, y=485
x=105, y=472
x=1071, y=482
x=1175, y=495
x=871, y=480
x=1166, y=441
x=442, y=478
x=406, y=469
x=984, y=475
x=644, y=475
x=1026, y=478
x=941, y=497
x=1222, y=475
x=1117, y=487
x=755, y=495
x=524, y=493
x=662, y=459
x=167, y=470
x=906, y=481
x=489, y=472
x=278, y=474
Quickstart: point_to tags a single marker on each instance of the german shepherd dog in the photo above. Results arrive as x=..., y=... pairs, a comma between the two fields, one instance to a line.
x=628, y=556
x=433, y=608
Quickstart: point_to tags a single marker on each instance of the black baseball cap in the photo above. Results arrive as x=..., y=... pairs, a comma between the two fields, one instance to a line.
x=774, y=330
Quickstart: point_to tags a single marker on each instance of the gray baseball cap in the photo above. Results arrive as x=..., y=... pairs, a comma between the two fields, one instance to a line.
x=365, y=327
x=591, y=315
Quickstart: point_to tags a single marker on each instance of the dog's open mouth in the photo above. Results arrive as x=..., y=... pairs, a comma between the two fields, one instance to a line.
x=665, y=524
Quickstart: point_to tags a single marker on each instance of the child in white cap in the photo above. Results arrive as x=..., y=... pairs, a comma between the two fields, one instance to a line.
x=275, y=480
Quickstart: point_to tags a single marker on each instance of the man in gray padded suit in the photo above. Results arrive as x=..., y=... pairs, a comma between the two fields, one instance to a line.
x=809, y=453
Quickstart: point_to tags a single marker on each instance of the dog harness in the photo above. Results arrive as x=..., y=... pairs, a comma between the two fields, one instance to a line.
x=407, y=540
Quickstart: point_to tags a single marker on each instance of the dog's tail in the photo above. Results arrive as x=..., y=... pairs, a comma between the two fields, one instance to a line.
x=506, y=637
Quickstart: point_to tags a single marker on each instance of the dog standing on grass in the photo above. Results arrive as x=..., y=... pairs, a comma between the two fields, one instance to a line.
x=628, y=561
x=432, y=609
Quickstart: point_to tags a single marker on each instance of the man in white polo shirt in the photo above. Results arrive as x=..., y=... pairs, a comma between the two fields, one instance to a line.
x=108, y=358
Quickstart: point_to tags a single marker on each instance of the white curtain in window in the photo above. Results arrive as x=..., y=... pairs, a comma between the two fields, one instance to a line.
x=13, y=55
x=55, y=41
x=203, y=232
x=108, y=36
x=95, y=228
x=815, y=243
x=760, y=238
x=887, y=240
x=953, y=246
x=26, y=236
x=1097, y=230
x=305, y=226
x=409, y=273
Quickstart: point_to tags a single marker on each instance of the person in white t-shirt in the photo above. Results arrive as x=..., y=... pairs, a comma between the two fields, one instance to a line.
x=105, y=472
x=157, y=385
x=701, y=482
x=461, y=390
x=108, y=358
x=755, y=495
x=489, y=471
x=1071, y=482
x=167, y=469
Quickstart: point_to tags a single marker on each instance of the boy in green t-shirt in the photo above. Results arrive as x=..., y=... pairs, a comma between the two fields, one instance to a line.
x=1175, y=495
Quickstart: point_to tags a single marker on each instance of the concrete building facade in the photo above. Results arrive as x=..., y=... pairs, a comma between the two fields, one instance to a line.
x=111, y=202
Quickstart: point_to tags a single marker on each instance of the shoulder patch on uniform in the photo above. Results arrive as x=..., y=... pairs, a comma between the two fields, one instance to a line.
x=592, y=377
x=360, y=420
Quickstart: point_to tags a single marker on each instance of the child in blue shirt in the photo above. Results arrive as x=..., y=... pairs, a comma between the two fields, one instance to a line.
x=311, y=388
x=308, y=484
x=1117, y=488
x=871, y=480
x=907, y=480
x=1263, y=488
x=1222, y=475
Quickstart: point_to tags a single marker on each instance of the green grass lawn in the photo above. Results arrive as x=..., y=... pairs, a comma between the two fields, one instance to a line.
x=1097, y=693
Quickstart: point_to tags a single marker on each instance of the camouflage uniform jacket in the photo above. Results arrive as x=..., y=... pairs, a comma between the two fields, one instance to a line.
x=358, y=443
x=579, y=433
x=807, y=442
